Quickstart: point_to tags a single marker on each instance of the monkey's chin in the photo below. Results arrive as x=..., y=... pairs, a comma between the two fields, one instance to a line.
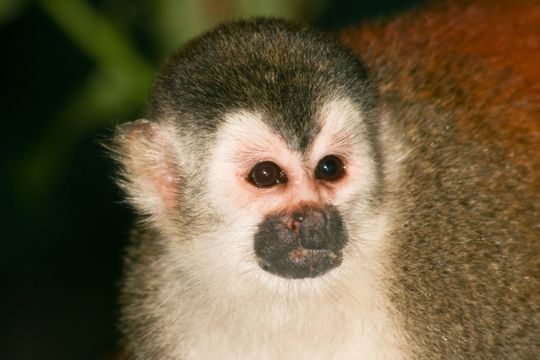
x=300, y=263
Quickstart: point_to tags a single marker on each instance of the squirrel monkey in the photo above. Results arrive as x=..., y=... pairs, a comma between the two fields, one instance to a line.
x=372, y=197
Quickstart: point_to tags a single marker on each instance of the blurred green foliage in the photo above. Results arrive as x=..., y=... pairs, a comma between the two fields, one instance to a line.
x=10, y=8
x=105, y=32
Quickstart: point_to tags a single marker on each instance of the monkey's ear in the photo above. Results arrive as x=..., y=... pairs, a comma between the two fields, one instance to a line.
x=149, y=168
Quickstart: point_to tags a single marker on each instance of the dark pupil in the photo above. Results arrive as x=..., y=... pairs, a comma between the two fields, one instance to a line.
x=329, y=168
x=266, y=174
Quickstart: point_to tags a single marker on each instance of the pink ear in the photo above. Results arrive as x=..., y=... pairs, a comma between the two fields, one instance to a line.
x=150, y=173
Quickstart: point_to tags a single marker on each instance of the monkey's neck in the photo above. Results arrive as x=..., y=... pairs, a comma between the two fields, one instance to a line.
x=315, y=318
x=330, y=326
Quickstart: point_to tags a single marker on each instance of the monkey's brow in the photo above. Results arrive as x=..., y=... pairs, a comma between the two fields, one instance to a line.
x=340, y=142
x=250, y=153
x=342, y=139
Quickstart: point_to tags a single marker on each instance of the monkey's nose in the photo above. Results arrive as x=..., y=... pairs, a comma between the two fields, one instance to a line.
x=311, y=228
x=305, y=242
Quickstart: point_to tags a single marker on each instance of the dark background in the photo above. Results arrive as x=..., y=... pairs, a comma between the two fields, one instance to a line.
x=63, y=223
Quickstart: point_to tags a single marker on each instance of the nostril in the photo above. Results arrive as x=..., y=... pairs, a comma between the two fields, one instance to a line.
x=295, y=226
x=298, y=217
x=295, y=222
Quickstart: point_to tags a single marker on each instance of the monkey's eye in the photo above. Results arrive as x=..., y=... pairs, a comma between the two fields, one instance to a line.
x=266, y=174
x=330, y=168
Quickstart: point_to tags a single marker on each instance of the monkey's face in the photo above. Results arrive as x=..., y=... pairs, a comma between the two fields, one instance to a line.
x=299, y=206
x=261, y=160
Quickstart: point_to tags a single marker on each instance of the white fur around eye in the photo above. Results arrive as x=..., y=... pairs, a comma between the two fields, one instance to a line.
x=243, y=141
x=343, y=134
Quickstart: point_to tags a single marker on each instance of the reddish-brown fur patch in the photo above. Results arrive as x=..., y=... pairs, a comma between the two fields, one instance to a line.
x=486, y=54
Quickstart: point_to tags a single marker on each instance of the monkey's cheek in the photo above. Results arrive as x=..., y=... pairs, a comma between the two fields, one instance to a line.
x=302, y=263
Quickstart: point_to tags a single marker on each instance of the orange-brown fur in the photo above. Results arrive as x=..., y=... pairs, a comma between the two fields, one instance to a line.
x=462, y=81
x=499, y=38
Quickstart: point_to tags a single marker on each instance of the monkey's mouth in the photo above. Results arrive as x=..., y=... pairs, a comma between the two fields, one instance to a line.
x=302, y=263
x=304, y=244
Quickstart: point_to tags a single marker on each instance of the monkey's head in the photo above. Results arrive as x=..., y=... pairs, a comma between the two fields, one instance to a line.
x=258, y=161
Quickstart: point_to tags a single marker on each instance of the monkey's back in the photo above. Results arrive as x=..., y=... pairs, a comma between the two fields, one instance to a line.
x=462, y=85
x=483, y=57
